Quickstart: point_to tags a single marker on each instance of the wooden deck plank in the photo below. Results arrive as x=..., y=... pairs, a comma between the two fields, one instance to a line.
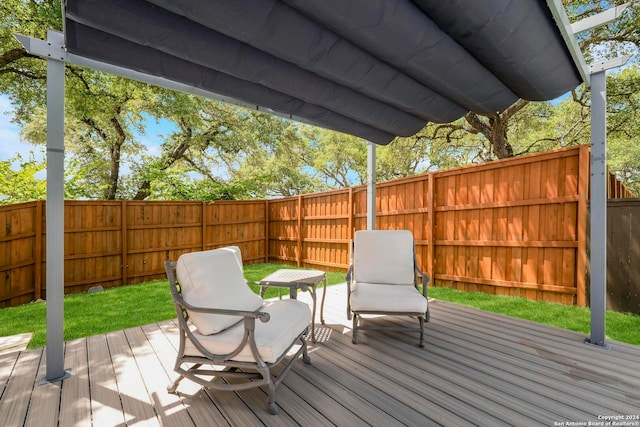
x=526, y=398
x=537, y=378
x=338, y=397
x=106, y=407
x=7, y=364
x=17, y=395
x=76, y=398
x=477, y=368
x=168, y=406
x=570, y=353
x=198, y=407
x=322, y=397
x=18, y=342
x=548, y=365
x=45, y=400
x=138, y=408
x=423, y=386
x=256, y=400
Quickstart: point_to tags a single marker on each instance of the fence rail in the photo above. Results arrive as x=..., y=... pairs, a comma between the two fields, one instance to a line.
x=513, y=227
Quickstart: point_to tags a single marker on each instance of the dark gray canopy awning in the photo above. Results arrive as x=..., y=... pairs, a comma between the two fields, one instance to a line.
x=371, y=68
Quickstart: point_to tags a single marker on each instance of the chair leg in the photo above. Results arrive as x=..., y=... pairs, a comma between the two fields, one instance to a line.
x=421, y=319
x=305, y=354
x=171, y=388
x=354, y=334
x=271, y=402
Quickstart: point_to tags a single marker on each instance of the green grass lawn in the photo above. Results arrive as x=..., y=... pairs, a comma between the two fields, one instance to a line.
x=134, y=305
x=116, y=308
x=623, y=327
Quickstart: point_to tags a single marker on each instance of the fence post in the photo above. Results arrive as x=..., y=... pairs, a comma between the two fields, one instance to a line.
x=37, y=291
x=266, y=230
x=204, y=226
x=583, y=194
x=431, y=228
x=125, y=246
x=299, y=255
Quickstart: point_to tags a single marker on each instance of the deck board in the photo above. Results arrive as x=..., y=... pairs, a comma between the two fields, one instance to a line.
x=45, y=399
x=477, y=368
x=106, y=407
x=75, y=402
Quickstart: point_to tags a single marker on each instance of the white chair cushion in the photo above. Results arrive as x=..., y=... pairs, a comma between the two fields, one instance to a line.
x=387, y=298
x=236, y=252
x=384, y=256
x=214, y=279
x=288, y=319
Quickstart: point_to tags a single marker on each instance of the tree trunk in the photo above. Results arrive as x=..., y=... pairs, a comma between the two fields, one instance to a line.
x=494, y=127
x=116, y=154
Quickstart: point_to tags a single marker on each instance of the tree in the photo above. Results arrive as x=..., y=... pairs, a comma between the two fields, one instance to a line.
x=623, y=126
x=22, y=74
x=103, y=110
x=21, y=184
x=619, y=37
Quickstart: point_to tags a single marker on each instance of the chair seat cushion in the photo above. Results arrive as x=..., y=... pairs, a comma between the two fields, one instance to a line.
x=373, y=297
x=288, y=319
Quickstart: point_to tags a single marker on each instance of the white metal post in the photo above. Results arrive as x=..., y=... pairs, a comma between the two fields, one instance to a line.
x=55, y=220
x=371, y=186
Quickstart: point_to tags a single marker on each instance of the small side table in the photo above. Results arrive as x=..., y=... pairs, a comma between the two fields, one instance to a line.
x=299, y=279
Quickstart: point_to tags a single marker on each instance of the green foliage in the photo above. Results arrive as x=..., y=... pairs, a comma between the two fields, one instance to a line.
x=216, y=151
x=623, y=126
x=20, y=184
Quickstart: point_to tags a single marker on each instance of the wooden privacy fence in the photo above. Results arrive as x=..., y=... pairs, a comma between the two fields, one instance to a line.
x=513, y=227
x=111, y=243
x=623, y=255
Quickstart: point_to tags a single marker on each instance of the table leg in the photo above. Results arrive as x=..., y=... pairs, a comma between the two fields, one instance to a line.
x=324, y=294
x=313, y=312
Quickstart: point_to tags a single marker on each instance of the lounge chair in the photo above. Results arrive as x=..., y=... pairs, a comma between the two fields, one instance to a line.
x=217, y=313
x=383, y=279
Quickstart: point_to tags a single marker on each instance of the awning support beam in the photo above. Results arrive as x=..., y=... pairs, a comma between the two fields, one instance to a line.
x=55, y=219
x=371, y=186
x=599, y=179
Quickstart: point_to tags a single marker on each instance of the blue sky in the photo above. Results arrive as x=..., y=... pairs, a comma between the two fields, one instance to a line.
x=10, y=143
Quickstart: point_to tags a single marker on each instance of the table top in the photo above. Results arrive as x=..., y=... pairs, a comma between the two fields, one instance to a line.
x=291, y=277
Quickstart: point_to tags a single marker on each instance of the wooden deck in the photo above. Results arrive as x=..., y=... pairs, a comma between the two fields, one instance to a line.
x=477, y=368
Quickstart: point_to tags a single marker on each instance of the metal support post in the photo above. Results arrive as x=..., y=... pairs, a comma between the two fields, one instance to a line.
x=55, y=221
x=598, y=258
x=371, y=186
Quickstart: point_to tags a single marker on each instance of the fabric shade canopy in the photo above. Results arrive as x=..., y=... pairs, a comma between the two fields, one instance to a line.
x=376, y=69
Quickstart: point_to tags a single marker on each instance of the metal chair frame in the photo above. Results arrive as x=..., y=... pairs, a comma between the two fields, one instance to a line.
x=422, y=317
x=255, y=374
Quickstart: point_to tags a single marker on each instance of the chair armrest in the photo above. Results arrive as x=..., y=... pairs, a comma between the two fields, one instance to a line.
x=349, y=278
x=425, y=279
x=257, y=314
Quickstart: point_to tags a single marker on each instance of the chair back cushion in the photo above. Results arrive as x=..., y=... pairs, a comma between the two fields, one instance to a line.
x=384, y=256
x=214, y=279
